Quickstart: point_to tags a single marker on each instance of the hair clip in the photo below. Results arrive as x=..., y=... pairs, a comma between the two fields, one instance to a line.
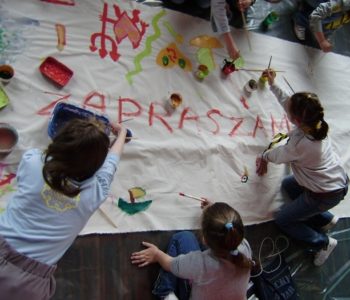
x=234, y=252
x=229, y=226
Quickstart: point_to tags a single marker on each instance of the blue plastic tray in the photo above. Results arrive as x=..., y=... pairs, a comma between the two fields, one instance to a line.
x=64, y=112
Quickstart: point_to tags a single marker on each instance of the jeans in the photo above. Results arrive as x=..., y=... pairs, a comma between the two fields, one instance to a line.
x=181, y=243
x=304, y=216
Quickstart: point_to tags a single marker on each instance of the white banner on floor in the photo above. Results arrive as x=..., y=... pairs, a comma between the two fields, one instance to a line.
x=127, y=59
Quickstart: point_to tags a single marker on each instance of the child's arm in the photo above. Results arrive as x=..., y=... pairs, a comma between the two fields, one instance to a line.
x=321, y=12
x=118, y=144
x=280, y=94
x=151, y=255
x=222, y=27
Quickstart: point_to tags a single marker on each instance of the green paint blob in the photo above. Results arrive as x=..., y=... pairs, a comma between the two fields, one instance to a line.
x=204, y=57
x=239, y=62
x=182, y=63
x=165, y=60
x=133, y=208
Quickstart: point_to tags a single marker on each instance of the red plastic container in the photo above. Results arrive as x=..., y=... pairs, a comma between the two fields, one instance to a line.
x=56, y=71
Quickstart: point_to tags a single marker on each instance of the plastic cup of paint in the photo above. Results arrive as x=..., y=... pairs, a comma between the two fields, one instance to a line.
x=251, y=86
x=6, y=73
x=202, y=72
x=175, y=100
x=8, y=139
x=272, y=17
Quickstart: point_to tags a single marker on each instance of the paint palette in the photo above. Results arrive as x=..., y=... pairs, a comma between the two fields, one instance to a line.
x=63, y=112
x=57, y=72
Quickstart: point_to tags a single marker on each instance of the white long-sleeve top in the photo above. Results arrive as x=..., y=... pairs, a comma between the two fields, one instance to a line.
x=314, y=163
x=219, y=20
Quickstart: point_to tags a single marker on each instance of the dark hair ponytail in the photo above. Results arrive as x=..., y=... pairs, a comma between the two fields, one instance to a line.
x=223, y=232
x=306, y=107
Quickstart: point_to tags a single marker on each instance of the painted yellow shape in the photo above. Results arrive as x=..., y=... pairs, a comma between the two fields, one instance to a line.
x=137, y=192
x=206, y=41
x=171, y=56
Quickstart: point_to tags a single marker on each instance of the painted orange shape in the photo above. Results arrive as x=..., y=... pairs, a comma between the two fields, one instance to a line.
x=171, y=56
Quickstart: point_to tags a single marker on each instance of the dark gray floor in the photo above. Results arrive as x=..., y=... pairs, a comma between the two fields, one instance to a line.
x=97, y=267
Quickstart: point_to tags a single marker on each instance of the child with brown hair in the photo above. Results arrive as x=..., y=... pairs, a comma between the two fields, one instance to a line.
x=319, y=181
x=220, y=272
x=57, y=192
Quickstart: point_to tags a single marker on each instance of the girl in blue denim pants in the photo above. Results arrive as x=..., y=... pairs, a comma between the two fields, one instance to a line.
x=220, y=272
x=319, y=181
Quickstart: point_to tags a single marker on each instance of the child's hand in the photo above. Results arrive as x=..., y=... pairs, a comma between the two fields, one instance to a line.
x=261, y=166
x=145, y=257
x=243, y=4
x=116, y=128
x=233, y=52
x=271, y=75
x=325, y=45
x=205, y=203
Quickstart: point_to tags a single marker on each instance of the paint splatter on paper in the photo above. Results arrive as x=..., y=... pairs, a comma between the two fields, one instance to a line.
x=61, y=36
x=178, y=37
x=12, y=40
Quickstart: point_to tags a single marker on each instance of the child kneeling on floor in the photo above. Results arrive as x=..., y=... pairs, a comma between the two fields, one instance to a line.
x=220, y=272
x=319, y=181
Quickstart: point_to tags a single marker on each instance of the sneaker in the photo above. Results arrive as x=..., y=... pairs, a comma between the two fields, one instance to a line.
x=170, y=296
x=299, y=32
x=321, y=256
x=330, y=225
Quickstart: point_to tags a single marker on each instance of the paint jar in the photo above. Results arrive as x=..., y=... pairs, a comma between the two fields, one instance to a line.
x=251, y=86
x=271, y=18
x=8, y=139
x=173, y=102
x=264, y=77
x=202, y=72
x=6, y=73
x=228, y=66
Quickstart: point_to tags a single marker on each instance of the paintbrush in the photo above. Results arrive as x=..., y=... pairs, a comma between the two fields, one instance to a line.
x=107, y=217
x=255, y=70
x=192, y=197
x=246, y=30
x=285, y=79
x=126, y=120
x=268, y=67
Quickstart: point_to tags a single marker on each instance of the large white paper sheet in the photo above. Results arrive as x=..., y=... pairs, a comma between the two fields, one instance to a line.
x=205, y=146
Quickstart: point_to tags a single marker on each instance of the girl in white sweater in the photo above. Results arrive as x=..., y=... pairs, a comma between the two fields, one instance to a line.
x=319, y=181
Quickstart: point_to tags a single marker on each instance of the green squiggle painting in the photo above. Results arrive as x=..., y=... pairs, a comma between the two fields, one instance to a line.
x=148, y=48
